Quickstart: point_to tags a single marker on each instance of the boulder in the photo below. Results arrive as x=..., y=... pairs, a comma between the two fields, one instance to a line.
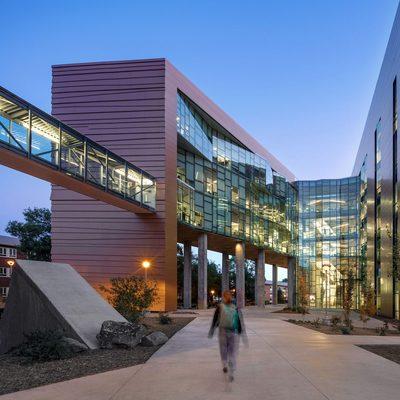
x=154, y=339
x=124, y=334
x=74, y=345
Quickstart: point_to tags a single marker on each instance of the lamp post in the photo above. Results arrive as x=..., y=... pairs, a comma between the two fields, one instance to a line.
x=146, y=265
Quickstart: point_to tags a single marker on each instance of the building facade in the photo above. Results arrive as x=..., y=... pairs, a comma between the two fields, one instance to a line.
x=328, y=245
x=377, y=165
x=217, y=187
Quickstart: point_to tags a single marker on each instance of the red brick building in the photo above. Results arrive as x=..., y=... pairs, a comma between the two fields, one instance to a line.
x=8, y=254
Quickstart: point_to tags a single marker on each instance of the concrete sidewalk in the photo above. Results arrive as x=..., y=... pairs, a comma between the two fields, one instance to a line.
x=283, y=361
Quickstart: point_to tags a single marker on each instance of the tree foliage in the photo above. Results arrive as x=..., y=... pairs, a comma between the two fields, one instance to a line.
x=34, y=233
x=303, y=293
x=130, y=295
x=348, y=295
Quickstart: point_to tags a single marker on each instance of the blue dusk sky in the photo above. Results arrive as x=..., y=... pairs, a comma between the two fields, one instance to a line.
x=297, y=75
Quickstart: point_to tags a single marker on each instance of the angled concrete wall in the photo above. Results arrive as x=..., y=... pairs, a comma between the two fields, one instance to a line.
x=52, y=296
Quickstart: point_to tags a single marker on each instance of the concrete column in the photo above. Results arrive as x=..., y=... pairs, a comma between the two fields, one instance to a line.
x=260, y=279
x=292, y=282
x=202, y=273
x=225, y=271
x=187, y=275
x=240, y=276
x=274, y=284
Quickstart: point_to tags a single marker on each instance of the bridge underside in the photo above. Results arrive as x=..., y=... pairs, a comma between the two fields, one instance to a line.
x=227, y=245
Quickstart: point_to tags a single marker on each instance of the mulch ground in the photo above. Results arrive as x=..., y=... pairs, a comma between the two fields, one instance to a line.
x=330, y=331
x=16, y=375
x=389, y=351
x=288, y=311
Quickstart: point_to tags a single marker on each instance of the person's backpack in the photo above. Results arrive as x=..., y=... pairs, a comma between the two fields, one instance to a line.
x=229, y=318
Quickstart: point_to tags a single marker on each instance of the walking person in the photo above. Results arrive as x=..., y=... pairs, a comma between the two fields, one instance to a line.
x=229, y=321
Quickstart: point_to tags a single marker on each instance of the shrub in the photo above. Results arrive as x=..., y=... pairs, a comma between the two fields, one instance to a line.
x=381, y=330
x=345, y=330
x=317, y=322
x=301, y=310
x=41, y=346
x=164, y=319
x=335, y=320
x=130, y=296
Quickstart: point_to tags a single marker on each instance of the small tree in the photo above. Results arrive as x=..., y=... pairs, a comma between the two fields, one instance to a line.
x=348, y=293
x=130, y=295
x=368, y=309
x=303, y=293
x=34, y=233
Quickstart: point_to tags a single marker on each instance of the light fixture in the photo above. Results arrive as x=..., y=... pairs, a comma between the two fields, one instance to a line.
x=146, y=264
x=10, y=263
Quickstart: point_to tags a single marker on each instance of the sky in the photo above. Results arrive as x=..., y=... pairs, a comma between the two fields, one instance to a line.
x=298, y=75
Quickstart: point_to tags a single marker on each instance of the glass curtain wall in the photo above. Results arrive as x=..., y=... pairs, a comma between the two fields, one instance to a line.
x=235, y=192
x=378, y=214
x=328, y=238
x=395, y=237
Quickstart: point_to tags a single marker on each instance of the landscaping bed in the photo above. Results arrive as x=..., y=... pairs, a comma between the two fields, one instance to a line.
x=17, y=375
x=388, y=351
x=329, y=330
x=291, y=310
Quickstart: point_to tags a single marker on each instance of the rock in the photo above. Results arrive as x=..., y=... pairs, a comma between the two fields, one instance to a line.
x=74, y=345
x=123, y=334
x=154, y=339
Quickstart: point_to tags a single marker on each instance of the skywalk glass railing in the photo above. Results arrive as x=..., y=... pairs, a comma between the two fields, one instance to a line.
x=33, y=133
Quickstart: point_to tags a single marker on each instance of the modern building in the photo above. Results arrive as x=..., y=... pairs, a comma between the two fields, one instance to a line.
x=217, y=187
x=377, y=165
x=8, y=254
x=143, y=160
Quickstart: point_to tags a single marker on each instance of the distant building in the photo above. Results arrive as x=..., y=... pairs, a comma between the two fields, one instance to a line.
x=8, y=255
x=283, y=286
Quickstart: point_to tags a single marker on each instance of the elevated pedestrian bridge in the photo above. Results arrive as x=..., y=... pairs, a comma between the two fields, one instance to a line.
x=34, y=142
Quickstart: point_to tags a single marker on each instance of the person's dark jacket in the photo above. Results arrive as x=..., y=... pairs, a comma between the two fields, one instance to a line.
x=215, y=322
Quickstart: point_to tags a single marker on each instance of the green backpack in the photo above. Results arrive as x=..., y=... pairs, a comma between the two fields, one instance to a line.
x=229, y=318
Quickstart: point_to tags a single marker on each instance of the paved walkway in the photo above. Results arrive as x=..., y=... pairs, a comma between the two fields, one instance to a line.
x=283, y=362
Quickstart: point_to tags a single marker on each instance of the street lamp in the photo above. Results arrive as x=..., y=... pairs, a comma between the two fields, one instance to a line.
x=146, y=265
x=10, y=263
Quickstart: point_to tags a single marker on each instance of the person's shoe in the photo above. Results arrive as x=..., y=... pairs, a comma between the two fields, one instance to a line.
x=225, y=369
x=231, y=378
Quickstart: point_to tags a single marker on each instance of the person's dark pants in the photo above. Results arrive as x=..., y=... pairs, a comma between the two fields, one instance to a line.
x=228, y=347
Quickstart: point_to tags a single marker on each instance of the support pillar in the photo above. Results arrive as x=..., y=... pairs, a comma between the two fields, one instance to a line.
x=274, y=284
x=240, y=276
x=260, y=278
x=202, y=273
x=187, y=275
x=225, y=271
x=292, y=282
